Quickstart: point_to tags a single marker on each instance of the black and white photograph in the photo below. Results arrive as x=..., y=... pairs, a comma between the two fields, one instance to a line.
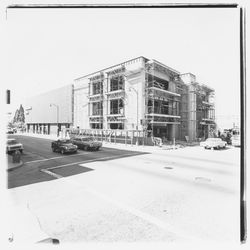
x=123, y=123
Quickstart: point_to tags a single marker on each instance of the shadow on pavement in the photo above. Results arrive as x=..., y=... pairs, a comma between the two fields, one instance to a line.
x=31, y=174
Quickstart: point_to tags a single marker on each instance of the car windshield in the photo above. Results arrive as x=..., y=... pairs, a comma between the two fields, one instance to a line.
x=65, y=141
x=13, y=141
x=213, y=139
x=88, y=139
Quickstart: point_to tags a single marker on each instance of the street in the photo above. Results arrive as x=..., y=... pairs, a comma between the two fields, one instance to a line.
x=38, y=156
x=115, y=195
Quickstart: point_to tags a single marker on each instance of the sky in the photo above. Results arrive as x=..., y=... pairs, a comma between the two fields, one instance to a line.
x=49, y=48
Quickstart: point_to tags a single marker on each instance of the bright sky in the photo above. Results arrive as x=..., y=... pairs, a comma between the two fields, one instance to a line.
x=49, y=48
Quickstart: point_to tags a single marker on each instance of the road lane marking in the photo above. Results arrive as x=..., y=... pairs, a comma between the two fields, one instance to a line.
x=58, y=157
x=93, y=160
x=57, y=176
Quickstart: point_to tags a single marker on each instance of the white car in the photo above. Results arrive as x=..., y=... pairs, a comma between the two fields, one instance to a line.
x=215, y=143
x=235, y=140
x=13, y=145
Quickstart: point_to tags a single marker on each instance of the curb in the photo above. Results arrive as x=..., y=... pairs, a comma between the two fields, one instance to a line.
x=15, y=167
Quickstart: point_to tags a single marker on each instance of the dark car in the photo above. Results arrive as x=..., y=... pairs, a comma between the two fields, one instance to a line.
x=10, y=131
x=13, y=145
x=63, y=146
x=86, y=142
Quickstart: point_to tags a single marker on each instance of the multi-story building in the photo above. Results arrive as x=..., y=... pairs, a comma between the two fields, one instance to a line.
x=145, y=95
x=142, y=97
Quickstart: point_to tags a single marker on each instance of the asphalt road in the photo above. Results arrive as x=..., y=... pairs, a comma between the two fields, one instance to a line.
x=38, y=157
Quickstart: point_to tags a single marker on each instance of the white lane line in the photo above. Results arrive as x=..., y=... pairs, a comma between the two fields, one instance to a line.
x=58, y=157
x=93, y=160
x=57, y=176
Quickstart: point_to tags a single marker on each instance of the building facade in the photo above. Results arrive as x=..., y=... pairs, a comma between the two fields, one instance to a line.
x=50, y=112
x=145, y=95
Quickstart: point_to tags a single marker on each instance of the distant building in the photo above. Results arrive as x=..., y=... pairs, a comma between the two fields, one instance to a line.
x=146, y=95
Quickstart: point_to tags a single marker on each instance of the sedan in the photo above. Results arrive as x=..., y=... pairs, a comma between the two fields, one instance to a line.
x=63, y=146
x=86, y=142
x=13, y=145
x=215, y=143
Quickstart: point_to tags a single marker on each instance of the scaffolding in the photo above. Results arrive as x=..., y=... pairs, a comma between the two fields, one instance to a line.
x=96, y=95
x=161, y=100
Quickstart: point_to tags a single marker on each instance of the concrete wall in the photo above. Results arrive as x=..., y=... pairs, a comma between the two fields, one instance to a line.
x=41, y=112
x=81, y=106
x=134, y=78
x=134, y=82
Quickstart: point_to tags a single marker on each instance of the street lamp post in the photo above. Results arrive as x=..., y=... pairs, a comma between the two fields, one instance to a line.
x=136, y=113
x=57, y=116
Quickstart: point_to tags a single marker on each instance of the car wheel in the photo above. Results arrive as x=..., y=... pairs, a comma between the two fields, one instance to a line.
x=62, y=151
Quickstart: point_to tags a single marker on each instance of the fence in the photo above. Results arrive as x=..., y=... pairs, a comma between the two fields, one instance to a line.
x=115, y=136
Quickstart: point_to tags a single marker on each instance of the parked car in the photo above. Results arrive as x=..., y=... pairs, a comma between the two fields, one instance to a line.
x=236, y=140
x=13, y=145
x=10, y=131
x=86, y=142
x=63, y=146
x=215, y=143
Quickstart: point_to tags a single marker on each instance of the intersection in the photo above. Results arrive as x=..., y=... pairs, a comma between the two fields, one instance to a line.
x=124, y=194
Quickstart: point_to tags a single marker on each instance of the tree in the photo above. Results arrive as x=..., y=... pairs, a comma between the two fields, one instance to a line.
x=19, y=115
x=15, y=116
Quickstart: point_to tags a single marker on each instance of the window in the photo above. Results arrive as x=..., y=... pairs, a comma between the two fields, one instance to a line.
x=96, y=126
x=163, y=107
x=97, y=88
x=116, y=126
x=116, y=83
x=154, y=81
x=97, y=108
x=116, y=106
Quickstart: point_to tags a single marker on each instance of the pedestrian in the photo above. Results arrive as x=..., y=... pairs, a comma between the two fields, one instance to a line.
x=16, y=156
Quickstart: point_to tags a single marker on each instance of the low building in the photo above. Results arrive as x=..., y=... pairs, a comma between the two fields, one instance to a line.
x=50, y=112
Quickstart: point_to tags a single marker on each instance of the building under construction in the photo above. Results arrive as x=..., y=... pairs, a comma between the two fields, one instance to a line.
x=146, y=98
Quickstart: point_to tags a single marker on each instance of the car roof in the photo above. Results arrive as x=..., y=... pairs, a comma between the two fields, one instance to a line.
x=81, y=137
